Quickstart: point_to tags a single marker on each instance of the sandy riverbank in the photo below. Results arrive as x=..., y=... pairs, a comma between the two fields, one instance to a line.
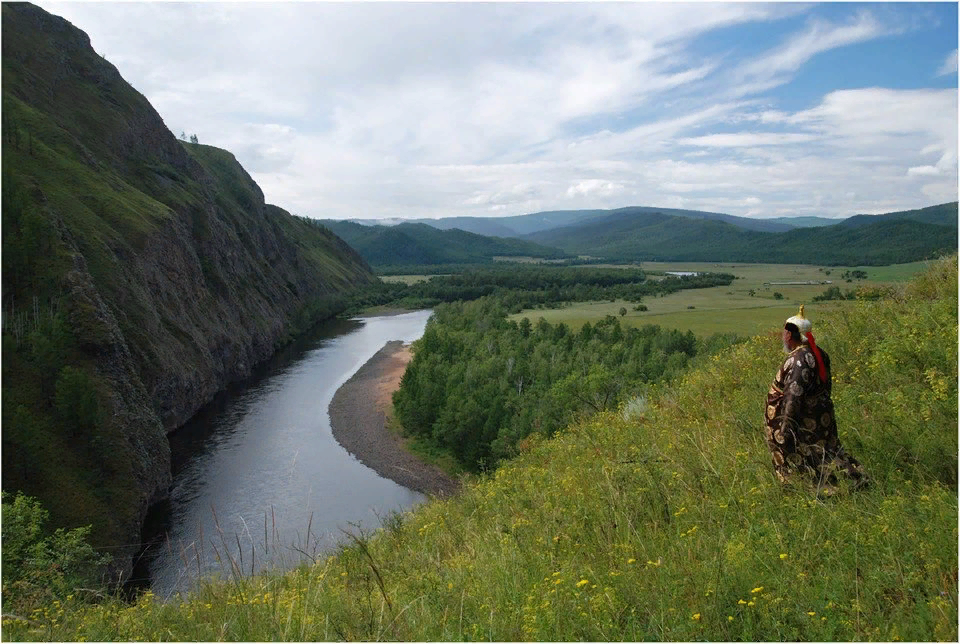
x=359, y=423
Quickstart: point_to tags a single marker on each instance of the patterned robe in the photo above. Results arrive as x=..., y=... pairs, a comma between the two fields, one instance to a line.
x=801, y=429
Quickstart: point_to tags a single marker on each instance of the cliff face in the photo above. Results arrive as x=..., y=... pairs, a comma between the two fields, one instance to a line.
x=141, y=275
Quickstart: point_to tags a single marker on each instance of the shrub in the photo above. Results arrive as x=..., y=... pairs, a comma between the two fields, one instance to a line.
x=39, y=567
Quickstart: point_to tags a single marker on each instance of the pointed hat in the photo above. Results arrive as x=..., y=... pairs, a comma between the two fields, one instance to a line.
x=803, y=324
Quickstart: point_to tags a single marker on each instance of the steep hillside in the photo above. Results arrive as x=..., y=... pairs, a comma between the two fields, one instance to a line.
x=141, y=275
x=422, y=244
x=661, y=521
x=656, y=236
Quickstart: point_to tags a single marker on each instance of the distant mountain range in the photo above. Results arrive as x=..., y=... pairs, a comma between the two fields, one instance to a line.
x=520, y=225
x=646, y=233
x=418, y=243
x=884, y=240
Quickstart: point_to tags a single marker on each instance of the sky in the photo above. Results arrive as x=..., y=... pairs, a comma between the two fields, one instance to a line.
x=424, y=110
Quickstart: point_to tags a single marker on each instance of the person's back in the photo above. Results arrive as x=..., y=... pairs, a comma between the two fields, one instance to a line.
x=801, y=427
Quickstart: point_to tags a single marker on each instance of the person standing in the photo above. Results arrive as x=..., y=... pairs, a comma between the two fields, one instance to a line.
x=800, y=425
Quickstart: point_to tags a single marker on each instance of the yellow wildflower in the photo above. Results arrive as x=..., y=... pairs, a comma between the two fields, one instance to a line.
x=729, y=618
x=582, y=582
x=696, y=617
x=631, y=560
x=811, y=613
x=750, y=603
x=783, y=555
x=756, y=590
x=741, y=602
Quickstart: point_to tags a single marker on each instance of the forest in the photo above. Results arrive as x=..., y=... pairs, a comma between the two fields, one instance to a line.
x=480, y=384
x=524, y=286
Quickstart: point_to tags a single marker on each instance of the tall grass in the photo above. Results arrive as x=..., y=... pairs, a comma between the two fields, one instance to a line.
x=663, y=523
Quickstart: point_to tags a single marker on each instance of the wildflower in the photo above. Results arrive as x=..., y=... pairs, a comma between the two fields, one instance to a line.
x=696, y=617
x=582, y=582
x=729, y=618
x=450, y=586
x=783, y=555
x=811, y=613
x=741, y=601
x=631, y=560
x=756, y=590
x=750, y=603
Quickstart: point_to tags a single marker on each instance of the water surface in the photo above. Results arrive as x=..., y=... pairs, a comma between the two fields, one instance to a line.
x=259, y=480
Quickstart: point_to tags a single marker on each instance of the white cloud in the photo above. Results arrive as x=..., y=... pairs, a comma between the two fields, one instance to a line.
x=427, y=110
x=949, y=66
x=591, y=187
x=746, y=139
x=775, y=66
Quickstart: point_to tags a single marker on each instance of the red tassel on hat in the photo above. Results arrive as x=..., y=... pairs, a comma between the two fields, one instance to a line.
x=821, y=367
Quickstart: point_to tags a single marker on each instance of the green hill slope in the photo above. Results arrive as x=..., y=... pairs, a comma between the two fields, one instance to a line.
x=944, y=214
x=804, y=222
x=662, y=521
x=656, y=236
x=141, y=275
x=406, y=244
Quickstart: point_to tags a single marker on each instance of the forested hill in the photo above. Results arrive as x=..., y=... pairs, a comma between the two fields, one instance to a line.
x=888, y=239
x=944, y=214
x=407, y=244
x=141, y=274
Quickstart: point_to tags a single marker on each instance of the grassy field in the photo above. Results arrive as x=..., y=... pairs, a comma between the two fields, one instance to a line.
x=405, y=279
x=732, y=308
x=660, y=521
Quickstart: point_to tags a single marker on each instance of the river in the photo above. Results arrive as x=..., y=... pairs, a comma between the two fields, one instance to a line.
x=258, y=479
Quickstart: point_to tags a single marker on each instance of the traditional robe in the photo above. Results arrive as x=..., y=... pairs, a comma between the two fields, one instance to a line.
x=801, y=429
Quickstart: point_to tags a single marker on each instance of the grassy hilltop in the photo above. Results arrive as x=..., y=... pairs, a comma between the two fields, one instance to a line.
x=661, y=521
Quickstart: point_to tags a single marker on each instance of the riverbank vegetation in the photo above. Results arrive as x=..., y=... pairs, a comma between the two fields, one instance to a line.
x=479, y=385
x=521, y=286
x=659, y=520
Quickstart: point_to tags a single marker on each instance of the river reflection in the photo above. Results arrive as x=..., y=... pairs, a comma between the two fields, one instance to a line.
x=259, y=480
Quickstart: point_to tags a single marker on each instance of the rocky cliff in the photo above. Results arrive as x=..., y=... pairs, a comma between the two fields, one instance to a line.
x=141, y=275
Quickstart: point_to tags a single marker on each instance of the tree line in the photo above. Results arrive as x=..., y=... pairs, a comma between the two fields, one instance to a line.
x=479, y=384
x=520, y=286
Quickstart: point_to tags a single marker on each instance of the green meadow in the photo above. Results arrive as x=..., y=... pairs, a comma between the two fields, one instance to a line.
x=659, y=521
x=732, y=308
x=405, y=279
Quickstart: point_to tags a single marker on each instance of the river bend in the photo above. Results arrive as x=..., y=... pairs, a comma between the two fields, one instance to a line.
x=259, y=480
